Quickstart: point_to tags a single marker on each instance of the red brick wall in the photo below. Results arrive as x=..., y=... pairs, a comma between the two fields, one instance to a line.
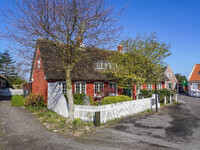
x=39, y=83
x=90, y=88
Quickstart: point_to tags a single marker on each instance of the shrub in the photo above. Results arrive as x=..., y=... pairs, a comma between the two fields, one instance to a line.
x=147, y=93
x=78, y=99
x=115, y=99
x=35, y=99
x=92, y=101
x=78, y=122
x=162, y=93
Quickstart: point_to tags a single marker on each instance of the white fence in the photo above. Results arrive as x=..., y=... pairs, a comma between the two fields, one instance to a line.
x=10, y=92
x=112, y=111
x=58, y=104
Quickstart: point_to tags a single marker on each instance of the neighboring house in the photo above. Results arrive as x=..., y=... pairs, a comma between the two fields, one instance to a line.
x=169, y=81
x=160, y=85
x=172, y=83
x=3, y=82
x=86, y=75
x=194, y=81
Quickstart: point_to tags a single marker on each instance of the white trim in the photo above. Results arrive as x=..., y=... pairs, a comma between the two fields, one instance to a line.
x=32, y=79
x=191, y=72
x=151, y=87
x=80, y=82
x=99, y=87
x=61, y=84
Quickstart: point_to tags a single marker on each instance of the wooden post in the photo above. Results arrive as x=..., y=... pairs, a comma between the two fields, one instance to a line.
x=170, y=98
x=176, y=97
x=165, y=99
x=97, y=121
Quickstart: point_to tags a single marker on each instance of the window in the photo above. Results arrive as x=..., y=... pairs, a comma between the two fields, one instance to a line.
x=114, y=86
x=170, y=75
x=194, y=86
x=174, y=85
x=159, y=86
x=63, y=87
x=80, y=87
x=170, y=85
x=39, y=63
x=103, y=64
x=199, y=72
x=149, y=87
x=97, y=87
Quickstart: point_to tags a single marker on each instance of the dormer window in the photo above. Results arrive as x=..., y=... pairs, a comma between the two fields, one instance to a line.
x=39, y=63
x=199, y=73
x=102, y=64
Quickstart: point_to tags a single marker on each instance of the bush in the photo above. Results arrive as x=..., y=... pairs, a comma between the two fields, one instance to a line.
x=162, y=93
x=34, y=99
x=78, y=99
x=115, y=99
x=147, y=93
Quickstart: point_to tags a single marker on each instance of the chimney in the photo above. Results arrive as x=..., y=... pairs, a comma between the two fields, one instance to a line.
x=120, y=48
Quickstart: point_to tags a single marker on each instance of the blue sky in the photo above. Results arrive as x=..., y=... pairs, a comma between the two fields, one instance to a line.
x=175, y=21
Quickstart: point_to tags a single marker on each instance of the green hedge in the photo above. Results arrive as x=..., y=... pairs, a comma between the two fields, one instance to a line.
x=162, y=93
x=78, y=99
x=115, y=99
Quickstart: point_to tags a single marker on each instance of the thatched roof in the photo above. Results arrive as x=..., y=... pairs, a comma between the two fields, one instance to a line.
x=84, y=69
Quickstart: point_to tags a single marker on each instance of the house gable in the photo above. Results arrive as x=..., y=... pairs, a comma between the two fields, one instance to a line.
x=195, y=73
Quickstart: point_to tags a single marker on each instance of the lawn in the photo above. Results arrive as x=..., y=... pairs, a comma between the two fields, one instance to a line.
x=17, y=100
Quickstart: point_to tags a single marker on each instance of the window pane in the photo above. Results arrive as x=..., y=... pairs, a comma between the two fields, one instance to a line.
x=64, y=88
x=77, y=88
x=83, y=88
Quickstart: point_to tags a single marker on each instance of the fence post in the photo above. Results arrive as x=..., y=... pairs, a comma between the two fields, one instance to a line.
x=165, y=99
x=97, y=121
x=170, y=98
x=176, y=98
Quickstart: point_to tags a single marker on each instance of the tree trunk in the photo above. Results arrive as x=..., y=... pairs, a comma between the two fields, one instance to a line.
x=70, y=94
x=137, y=91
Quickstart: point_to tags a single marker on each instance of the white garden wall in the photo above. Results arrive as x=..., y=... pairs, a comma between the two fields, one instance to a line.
x=10, y=92
x=112, y=111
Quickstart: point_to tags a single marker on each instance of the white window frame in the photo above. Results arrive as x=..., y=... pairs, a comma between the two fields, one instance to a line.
x=170, y=75
x=39, y=63
x=195, y=86
x=116, y=93
x=174, y=85
x=103, y=64
x=80, y=86
x=63, y=86
x=149, y=87
x=98, y=86
x=159, y=85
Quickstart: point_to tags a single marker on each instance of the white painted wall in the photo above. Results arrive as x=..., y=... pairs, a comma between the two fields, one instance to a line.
x=56, y=100
x=10, y=92
x=193, y=92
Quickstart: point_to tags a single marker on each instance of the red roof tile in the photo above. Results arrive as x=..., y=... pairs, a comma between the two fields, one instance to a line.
x=195, y=75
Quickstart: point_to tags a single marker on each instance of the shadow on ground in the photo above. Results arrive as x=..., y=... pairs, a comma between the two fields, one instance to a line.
x=7, y=98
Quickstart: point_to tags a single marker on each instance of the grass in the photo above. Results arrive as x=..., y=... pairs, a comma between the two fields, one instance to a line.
x=56, y=123
x=17, y=100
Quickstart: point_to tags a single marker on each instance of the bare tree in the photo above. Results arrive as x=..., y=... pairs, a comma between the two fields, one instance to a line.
x=67, y=23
